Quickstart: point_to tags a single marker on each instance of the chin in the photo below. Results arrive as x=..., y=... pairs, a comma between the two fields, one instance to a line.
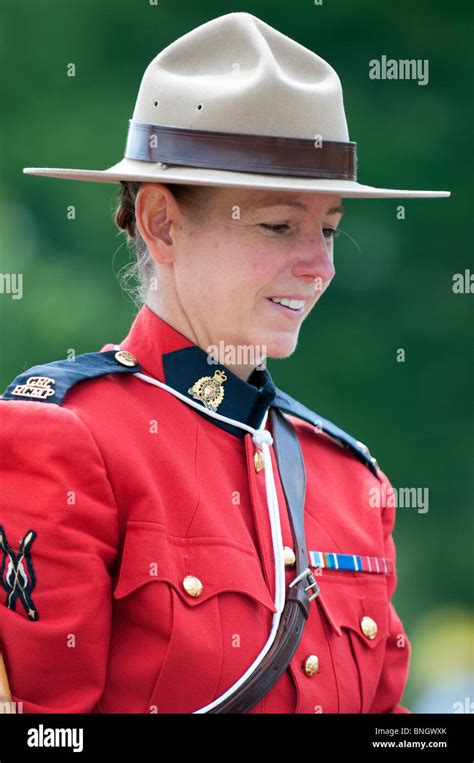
x=282, y=346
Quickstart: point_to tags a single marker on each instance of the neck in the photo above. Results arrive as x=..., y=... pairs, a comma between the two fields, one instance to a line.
x=180, y=322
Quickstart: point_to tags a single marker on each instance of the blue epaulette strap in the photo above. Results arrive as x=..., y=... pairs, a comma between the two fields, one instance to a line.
x=49, y=383
x=286, y=403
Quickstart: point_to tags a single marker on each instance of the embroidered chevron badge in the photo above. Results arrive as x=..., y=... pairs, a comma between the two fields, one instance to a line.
x=17, y=575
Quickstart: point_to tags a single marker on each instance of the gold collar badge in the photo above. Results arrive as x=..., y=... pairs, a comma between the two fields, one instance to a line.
x=209, y=390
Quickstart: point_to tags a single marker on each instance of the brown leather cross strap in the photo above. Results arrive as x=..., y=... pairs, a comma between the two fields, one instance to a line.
x=240, y=152
x=299, y=594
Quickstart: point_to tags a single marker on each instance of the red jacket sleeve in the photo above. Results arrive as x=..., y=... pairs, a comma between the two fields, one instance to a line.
x=59, y=537
x=398, y=648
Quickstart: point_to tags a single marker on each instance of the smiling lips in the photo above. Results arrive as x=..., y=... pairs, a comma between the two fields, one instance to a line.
x=289, y=305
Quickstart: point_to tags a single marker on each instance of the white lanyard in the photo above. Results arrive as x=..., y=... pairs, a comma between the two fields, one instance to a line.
x=262, y=438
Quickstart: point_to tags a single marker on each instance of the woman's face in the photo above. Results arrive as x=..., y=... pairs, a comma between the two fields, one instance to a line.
x=251, y=247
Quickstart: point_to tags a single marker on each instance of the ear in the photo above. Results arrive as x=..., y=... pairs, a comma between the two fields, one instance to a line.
x=154, y=210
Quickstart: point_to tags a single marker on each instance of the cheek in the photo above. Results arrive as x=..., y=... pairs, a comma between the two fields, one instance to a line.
x=241, y=268
x=218, y=264
x=264, y=261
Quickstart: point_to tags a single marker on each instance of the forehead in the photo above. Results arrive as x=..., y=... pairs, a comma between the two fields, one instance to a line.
x=257, y=199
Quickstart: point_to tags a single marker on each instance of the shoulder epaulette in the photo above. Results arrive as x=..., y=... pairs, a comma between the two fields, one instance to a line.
x=49, y=383
x=284, y=402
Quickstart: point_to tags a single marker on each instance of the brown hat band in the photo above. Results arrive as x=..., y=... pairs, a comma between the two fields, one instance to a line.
x=241, y=152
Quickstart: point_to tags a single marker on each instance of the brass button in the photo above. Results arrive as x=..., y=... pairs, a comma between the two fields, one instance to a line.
x=289, y=557
x=368, y=627
x=311, y=665
x=125, y=358
x=192, y=585
x=258, y=461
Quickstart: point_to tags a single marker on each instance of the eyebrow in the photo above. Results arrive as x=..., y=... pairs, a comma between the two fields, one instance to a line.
x=290, y=203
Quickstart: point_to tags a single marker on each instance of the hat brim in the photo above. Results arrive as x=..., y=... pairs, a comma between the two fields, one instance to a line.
x=140, y=171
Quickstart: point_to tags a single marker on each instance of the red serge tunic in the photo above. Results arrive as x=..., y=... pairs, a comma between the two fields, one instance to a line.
x=129, y=491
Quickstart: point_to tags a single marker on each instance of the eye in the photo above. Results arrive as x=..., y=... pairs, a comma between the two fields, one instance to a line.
x=275, y=227
x=330, y=233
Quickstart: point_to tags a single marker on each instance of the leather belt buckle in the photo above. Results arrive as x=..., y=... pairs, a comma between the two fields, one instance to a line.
x=312, y=583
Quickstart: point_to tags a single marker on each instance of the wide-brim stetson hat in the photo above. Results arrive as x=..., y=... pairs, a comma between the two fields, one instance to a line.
x=237, y=103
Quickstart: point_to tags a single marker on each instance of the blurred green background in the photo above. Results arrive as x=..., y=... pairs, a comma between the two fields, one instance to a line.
x=393, y=287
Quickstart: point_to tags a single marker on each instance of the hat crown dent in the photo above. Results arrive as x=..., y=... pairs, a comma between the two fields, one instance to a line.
x=249, y=77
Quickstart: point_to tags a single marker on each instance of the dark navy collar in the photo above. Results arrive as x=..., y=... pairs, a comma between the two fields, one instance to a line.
x=167, y=355
x=245, y=401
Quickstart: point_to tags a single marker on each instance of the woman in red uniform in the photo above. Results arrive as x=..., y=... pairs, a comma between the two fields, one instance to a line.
x=177, y=534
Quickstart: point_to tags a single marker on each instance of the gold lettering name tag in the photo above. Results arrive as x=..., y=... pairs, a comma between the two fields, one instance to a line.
x=38, y=387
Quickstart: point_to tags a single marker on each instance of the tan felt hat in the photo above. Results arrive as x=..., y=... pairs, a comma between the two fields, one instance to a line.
x=234, y=102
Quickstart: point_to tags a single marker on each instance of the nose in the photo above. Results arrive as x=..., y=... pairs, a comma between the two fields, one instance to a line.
x=317, y=264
